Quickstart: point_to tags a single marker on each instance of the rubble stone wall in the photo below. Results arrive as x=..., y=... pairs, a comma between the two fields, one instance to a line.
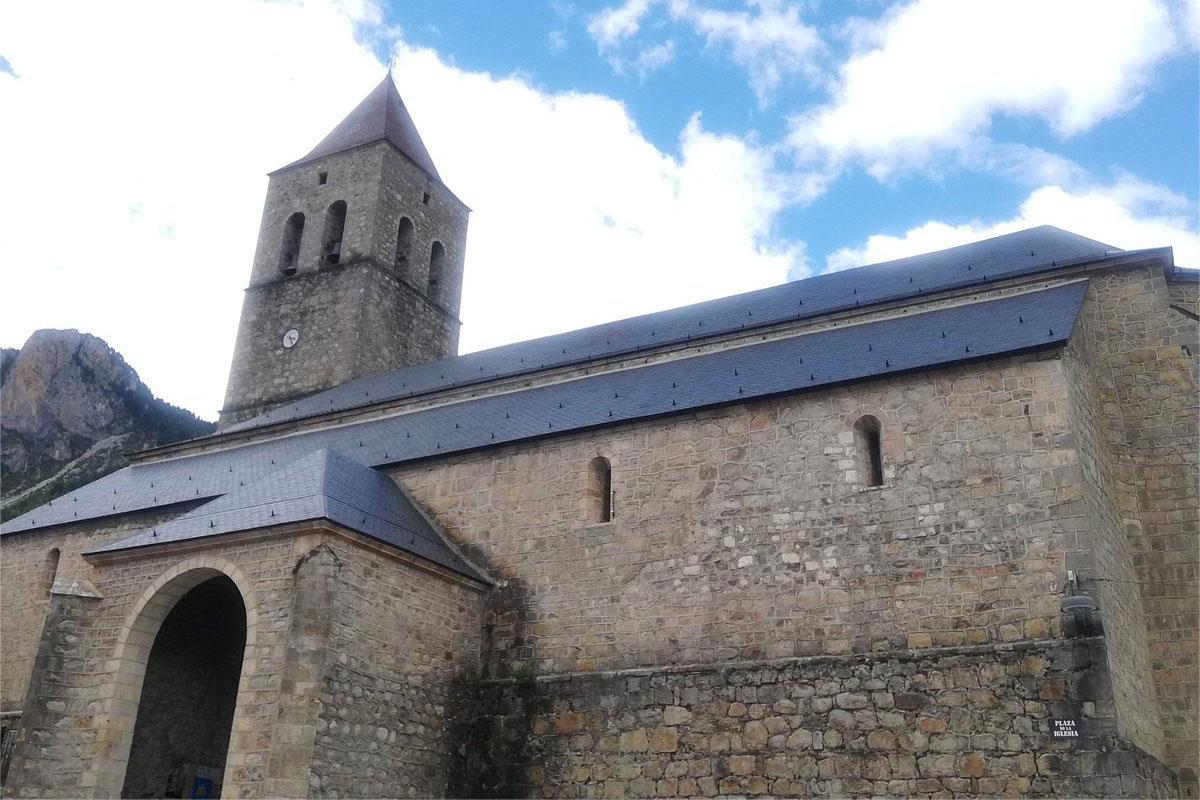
x=403, y=642
x=967, y=721
x=1146, y=359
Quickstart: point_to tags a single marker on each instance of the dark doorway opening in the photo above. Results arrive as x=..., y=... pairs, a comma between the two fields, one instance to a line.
x=185, y=714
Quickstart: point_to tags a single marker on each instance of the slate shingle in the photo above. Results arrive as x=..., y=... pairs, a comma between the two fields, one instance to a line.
x=970, y=332
x=321, y=485
x=381, y=116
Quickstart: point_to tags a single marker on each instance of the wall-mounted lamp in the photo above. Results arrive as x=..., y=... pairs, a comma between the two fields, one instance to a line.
x=1080, y=605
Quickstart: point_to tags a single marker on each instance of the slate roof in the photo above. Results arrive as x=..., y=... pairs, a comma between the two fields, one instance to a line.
x=381, y=116
x=1015, y=254
x=839, y=355
x=321, y=485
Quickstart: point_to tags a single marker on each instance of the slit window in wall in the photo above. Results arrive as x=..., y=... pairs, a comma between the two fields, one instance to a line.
x=425, y=198
x=404, y=241
x=289, y=253
x=437, y=260
x=335, y=225
x=322, y=178
x=51, y=570
x=868, y=443
x=599, y=494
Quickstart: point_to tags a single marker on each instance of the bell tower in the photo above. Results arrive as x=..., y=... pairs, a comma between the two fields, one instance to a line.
x=358, y=267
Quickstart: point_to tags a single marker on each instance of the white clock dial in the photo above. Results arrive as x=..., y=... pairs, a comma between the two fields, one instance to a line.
x=290, y=338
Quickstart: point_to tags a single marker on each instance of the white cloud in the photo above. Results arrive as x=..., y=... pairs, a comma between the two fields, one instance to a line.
x=1129, y=214
x=771, y=43
x=612, y=26
x=653, y=57
x=1189, y=20
x=932, y=75
x=140, y=181
x=769, y=40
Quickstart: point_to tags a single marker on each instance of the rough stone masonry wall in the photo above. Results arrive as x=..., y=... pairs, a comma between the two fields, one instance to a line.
x=1151, y=422
x=442, y=219
x=25, y=588
x=403, y=643
x=747, y=532
x=322, y=306
x=1112, y=543
x=946, y=722
x=354, y=320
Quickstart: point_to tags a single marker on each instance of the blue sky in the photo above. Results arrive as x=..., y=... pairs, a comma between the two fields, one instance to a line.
x=620, y=157
x=551, y=45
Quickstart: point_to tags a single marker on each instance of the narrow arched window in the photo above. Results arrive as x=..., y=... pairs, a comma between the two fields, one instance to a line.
x=289, y=253
x=51, y=569
x=331, y=241
x=869, y=445
x=437, y=260
x=599, y=494
x=404, y=242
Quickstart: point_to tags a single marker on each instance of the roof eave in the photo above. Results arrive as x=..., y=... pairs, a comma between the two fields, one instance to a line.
x=296, y=526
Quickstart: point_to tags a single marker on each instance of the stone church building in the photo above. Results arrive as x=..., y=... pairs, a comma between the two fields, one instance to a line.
x=925, y=528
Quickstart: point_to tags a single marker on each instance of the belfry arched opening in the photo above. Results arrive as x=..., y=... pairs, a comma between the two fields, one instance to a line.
x=185, y=714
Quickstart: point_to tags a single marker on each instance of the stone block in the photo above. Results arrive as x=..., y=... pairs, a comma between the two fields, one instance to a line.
x=664, y=740
x=634, y=741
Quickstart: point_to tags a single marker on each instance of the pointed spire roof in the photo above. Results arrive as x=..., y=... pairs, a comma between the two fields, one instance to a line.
x=321, y=485
x=381, y=116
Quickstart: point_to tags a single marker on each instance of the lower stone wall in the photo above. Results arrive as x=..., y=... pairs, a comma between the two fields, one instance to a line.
x=44, y=765
x=378, y=737
x=402, y=642
x=966, y=721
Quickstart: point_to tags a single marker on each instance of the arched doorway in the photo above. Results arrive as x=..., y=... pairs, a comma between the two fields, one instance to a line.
x=189, y=693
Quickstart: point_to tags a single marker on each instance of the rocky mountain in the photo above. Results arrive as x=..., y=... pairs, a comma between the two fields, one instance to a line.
x=70, y=411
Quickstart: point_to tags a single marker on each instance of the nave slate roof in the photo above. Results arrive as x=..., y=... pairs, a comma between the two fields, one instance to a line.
x=322, y=485
x=1015, y=254
x=1019, y=323
x=381, y=116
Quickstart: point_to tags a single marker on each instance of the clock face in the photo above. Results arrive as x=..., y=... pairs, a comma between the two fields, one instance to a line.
x=290, y=338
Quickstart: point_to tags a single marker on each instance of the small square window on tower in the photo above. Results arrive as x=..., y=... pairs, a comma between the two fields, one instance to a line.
x=425, y=198
x=322, y=178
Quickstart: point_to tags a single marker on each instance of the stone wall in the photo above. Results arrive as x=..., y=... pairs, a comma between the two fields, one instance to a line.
x=1185, y=294
x=1148, y=353
x=971, y=721
x=1110, y=545
x=35, y=770
x=345, y=639
x=354, y=319
x=747, y=532
x=404, y=641
x=25, y=587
